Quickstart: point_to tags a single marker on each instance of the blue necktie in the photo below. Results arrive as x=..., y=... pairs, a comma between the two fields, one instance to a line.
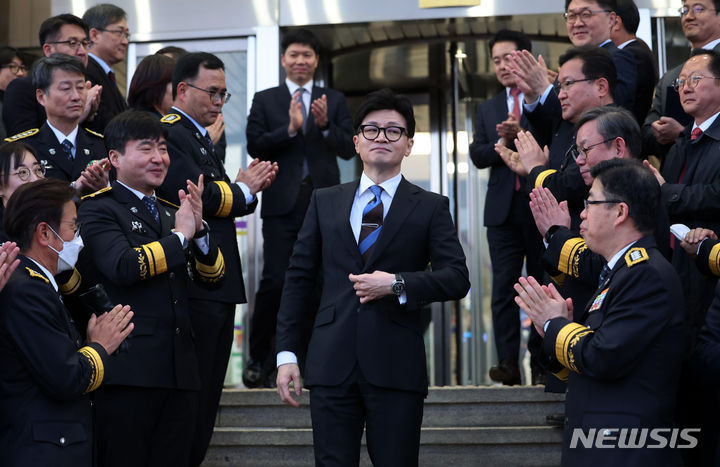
x=604, y=274
x=209, y=142
x=149, y=203
x=371, y=223
x=67, y=149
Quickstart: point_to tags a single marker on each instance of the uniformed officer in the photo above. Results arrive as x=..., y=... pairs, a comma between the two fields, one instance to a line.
x=199, y=90
x=623, y=352
x=46, y=370
x=140, y=248
x=68, y=151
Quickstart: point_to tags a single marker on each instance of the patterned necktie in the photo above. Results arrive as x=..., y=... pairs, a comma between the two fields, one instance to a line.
x=695, y=133
x=371, y=223
x=149, y=203
x=515, y=93
x=303, y=108
x=209, y=142
x=604, y=274
x=111, y=75
x=67, y=149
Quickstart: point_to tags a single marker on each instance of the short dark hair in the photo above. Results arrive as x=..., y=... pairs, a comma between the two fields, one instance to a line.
x=603, y=4
x=42, y=70
x=7, y=54
x=521, y=41
x=628, y=13
x=188, y=67
x=101, y=15
x=633, y=183
x=386, y=99
x=613, y=122
x=300, y=36
x=132, y=125
x=176, y=52
x=50, y=28
x=714, y=65
x=597, y=63
x=39, y=201
x=11, y=156
x=149, y=82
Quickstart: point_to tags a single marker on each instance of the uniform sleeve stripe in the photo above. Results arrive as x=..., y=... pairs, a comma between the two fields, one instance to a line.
x=559, y=279
x=563, y=374
x=156, y=258
x=96, y=365
x=72, y=284
x=568, y=255
x=566, y=339
x=226, y=200
x=150, y=260
x=542, y=176
x=214, y=271
x=714, y=260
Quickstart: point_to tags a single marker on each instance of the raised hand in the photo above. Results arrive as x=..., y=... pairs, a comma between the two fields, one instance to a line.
x=110, y=328
x=531, y=155
x=319, y=111
x=547, y=211
x=296, y=114
x=258, y=175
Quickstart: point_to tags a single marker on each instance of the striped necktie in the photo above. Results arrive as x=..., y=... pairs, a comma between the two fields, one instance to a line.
x=371, y=223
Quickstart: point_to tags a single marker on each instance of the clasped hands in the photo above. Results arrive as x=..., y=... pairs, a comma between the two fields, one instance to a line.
x=529, y=154
x=541, y=302
x=318, y=108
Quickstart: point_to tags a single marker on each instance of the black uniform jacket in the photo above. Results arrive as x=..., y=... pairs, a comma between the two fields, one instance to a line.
x=46, y=373
x=143, y=264
x=112, y=101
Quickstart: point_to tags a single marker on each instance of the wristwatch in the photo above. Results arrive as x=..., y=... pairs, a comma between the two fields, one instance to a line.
x=398, y=285
x=550, y=232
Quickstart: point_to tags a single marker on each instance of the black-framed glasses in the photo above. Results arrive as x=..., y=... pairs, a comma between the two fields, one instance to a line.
x=692, y=81
x=566, y=85
x=588, y=202
x=392, y=133
x=584, y=15
x=223, y=96
x=15, y=68
x=696, y=9
x=23, y=173
x=583, y=151
x=73, y=43
x=118, y=32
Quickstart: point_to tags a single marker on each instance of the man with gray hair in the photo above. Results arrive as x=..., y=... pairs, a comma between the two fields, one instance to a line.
x=68, y=151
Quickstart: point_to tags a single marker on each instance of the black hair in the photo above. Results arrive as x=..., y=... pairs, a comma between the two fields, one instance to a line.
x=300, y=36
x=11, y=156
x=149, y=82
x=613, y=122
x=172, y=51
x=7, y=54
x=597, y=63
x=132, y=125
x=50, y=28
x=42, y=70
x=714, y=65
x=188, y=67
x=603, y=4
x=521, y=41
x=386, y=99
x=628, y=13
x=100, y=16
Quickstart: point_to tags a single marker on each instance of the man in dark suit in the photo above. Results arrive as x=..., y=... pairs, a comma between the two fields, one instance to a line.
x=623, y=36
x=47, y=372
x=382, y=248
x=303, y=127
x=109, y=39
x=200, y=91
x=622, y=353
x=68, y=151
x=511, y=238
x=66, y=34
x=141, y=248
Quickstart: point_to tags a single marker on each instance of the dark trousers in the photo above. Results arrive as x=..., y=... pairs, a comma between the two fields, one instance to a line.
x=391, y=418
x=279, y=235
x=212, y=324
x=510, y=244
x=144, y=426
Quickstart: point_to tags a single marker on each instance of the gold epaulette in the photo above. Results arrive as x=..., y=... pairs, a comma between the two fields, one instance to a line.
x=171, y=118
x=22, y=135
x=168, y=203
x=540, y=179
x=565, y=343
x=635, y=256
x=37, y=275
x=99, y=192
x=94, y=133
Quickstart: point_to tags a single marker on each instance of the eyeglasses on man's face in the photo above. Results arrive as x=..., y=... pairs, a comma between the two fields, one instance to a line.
x=692, y=81
x=15, y=68
x=696, y=9
x=215, y=95
x=118, y=32
x=584, y=151
x=584, y=15
x=73, y=43
x=392, y=133
x=566, y=85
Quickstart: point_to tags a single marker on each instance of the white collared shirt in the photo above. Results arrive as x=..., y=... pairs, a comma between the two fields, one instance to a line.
x=47, y=273
x=72, y=137
x=706, y=124
x=106, y=68
x=624, y=44
x=363, y=196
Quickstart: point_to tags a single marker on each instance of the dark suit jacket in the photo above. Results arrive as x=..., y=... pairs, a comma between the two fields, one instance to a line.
x=143, y=264
x=383, y=337
x=112, y=101
x=89, y=147
x=501, y=184
x=21, y=110
x=647, y=77
x=45, y=376
x=267, y=139
x=223, y=200
x=624, y=358
x=627, y=76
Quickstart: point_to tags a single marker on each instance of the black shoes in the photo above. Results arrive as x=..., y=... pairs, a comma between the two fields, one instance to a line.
x=506, y=372
x=538, y=375
x=252, y=375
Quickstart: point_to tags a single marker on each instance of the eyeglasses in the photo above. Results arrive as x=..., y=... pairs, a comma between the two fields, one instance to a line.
x=584, y=15
x=118, y=32
x=583, y=151
x=587, y=202
x=392, y=133
x=692, y=82
x=73, y=43
x=566, y=85
x=696, y=9
x=15, y=68
x=23, y=173
x=223, y=96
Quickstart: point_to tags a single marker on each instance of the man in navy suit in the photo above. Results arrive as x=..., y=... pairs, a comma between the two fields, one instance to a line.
x=303, y=127
x=507, y=215
x=379, y=248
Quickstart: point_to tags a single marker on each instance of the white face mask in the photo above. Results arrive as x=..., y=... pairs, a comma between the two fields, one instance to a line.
x=68, y=256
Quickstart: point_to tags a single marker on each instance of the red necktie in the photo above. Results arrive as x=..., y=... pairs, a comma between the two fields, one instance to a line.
x=695, y=134
x=515, y=92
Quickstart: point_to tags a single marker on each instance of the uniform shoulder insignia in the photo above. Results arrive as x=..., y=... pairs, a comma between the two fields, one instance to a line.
x=171, y=118
x=168, y=203
x=22, y=135
x=94, y=133
x=37, y=275
x=635, y=256
x=99, y=192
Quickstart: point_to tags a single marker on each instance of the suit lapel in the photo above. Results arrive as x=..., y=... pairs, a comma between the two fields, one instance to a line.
x=137, y=208
x=343, y=204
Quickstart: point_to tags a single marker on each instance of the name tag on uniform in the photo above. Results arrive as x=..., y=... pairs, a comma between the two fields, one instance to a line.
x=599, y=300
